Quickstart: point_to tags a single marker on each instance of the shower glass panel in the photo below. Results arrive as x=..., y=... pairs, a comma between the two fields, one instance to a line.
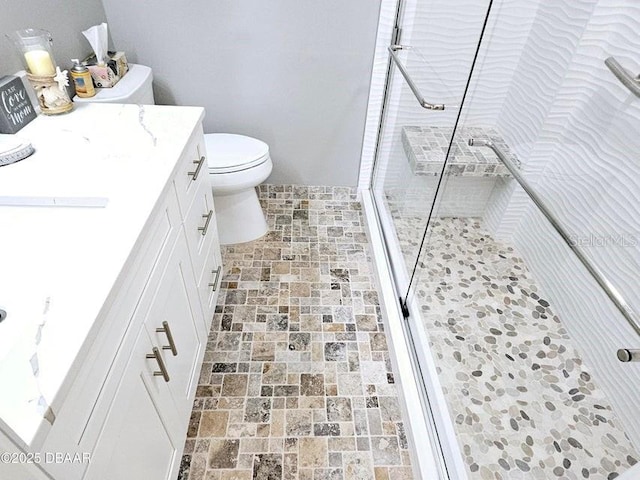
x=429, y=69
x=521, y=338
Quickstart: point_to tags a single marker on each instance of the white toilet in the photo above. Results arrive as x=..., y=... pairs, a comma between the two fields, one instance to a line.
x=237, y=164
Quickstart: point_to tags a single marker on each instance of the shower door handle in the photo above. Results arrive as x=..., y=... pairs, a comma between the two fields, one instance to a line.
x=628, y=355
x=412, y=85
x=626, y=78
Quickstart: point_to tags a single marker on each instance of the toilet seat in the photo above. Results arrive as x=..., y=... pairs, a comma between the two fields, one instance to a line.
x=228, y=153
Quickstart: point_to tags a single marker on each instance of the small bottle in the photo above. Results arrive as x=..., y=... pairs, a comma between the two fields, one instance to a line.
x=82, y=80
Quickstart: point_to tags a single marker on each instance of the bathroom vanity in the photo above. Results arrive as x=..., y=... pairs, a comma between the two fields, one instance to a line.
x=109, y=279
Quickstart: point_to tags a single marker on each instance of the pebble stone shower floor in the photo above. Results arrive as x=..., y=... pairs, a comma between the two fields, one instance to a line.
x=296, y=381
x=523, y=403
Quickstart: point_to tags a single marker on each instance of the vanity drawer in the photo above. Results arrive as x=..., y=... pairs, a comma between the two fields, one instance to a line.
x=193, y=171
x=200, y=228
x=210, y=280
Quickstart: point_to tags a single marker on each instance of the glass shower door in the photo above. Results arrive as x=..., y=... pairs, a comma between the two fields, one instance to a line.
x=430, y=63
x=522, y=298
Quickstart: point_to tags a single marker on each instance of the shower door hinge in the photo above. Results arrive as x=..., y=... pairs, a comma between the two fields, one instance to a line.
x=404, y=308
x=395, y=38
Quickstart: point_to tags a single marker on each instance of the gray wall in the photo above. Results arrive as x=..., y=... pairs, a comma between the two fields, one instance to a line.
x=294, y=73
x=65, y=20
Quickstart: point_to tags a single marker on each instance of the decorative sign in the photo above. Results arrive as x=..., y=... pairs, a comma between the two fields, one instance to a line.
x=16, y=109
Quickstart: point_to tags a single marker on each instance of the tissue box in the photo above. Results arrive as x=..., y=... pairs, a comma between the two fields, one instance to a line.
x=107, y=76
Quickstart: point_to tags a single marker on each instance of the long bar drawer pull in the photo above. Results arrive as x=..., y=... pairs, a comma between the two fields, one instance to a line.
x=163, y=369
x=199, y=164
x=203, y=229
x=614, y=295
x=217, y=271
x=626, y=78
x=414, y=88
x=167, y=331
x=629, y=355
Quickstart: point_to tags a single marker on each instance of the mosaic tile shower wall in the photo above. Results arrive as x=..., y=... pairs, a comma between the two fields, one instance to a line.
x=297, y=380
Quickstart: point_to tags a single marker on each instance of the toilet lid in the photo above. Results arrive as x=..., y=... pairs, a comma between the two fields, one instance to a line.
x=228, y=152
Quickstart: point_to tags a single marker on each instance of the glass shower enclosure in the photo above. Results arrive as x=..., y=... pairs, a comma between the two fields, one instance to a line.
x=507, y=187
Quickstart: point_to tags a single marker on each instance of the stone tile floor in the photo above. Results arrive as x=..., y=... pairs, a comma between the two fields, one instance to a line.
x=297, y=380
x=523, y=403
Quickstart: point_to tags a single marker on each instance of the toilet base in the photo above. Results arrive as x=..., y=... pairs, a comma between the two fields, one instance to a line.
x=239, y=217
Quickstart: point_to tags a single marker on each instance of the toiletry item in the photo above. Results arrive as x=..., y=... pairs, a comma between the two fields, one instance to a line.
x=98, y=37
x=106, y=68
x=82, y=80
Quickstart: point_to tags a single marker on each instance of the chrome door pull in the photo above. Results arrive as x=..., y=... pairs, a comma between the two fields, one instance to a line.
x=198, y=168
x=163, y=369
x=614, y=295
x=628, y=355
x=414, y=88
x=204, y=228
x=626, y=78
x=167, y=331
x=217, y=271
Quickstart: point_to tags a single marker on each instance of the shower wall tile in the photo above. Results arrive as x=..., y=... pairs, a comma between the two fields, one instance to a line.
x=582, y=132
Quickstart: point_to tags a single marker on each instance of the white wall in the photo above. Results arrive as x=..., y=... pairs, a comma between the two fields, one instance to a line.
x=64, y=19
x=294, y=73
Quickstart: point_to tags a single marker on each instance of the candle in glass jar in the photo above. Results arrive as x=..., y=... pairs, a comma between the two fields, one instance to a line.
x=39, y=62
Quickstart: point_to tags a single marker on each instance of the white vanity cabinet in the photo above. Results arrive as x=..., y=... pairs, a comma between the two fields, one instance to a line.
x=195, y=198
x=126, y=401
x=145, y=427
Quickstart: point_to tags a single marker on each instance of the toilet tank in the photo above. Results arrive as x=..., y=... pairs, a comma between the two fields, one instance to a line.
x=134, y=87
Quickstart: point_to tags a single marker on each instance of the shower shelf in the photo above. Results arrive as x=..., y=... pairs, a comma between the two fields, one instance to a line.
x=426, y=148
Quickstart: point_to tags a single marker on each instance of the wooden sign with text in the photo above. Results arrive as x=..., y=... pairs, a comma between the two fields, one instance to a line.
x=16, y=109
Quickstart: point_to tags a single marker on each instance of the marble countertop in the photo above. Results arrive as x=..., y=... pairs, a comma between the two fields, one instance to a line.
x=104, y=167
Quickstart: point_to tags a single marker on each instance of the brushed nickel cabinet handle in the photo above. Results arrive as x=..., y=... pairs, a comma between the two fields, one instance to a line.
x=199, y=164
x=204, y=228
x=217, y=271
x=167, y=331
x=163, y=369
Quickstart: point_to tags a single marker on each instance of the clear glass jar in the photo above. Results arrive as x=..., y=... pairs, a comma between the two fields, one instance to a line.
x=34, y=46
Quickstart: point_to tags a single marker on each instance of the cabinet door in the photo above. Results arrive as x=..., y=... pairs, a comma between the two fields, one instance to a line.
x=136, y=441
x=175, y=320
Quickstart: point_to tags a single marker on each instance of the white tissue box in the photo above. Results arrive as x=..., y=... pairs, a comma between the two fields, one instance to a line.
x=107, y=76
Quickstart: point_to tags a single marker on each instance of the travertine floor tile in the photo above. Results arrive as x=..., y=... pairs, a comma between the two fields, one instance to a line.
x=296, y=382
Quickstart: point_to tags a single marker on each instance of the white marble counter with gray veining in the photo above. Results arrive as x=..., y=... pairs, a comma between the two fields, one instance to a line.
x=59, y=264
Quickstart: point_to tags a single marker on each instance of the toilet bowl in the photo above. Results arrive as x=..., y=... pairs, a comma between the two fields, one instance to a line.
x=237, y=165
